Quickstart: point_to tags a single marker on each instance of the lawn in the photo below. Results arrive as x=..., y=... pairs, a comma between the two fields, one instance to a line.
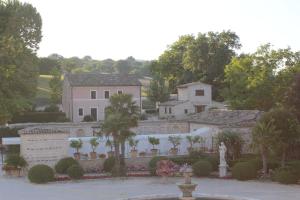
x=43, y=89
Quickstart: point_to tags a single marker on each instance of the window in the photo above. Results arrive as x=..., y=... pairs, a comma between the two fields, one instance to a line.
x=170, y=110
x=199, y=108
x=93, y=94
x=199, y=93
x=120, y=92
x=80, y=111
x=185, y=111
x=166, y=110
x=106, y=94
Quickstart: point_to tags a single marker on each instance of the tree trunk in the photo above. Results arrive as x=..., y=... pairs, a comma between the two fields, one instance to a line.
x=122, y=160
x=263, y=153
x=116, y=169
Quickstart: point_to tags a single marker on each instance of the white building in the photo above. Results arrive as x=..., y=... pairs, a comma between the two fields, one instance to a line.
x=191, y=98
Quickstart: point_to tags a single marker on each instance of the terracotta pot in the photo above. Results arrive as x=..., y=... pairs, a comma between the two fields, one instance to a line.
x=110, y=154
x=154, y=152
x=93, y=155
x=173, y=151
x=77, y=156
x=133, y=153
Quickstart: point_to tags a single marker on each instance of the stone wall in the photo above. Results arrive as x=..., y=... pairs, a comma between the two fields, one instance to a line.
x=97, y=164
x=43, y=147
x=162, y=127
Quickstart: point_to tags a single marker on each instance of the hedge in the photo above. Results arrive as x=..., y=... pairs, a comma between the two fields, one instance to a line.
x=15, y=160
x=63, y=164
x=39, y=117
x=202, y=168
x=41, y=174
x=286, y=175
x=75, y=172
x=244, y=171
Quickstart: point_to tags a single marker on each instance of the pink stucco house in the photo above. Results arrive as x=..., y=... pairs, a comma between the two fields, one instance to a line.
x=88, y=93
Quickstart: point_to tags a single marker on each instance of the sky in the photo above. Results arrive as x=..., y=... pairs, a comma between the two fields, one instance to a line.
x=143, y=29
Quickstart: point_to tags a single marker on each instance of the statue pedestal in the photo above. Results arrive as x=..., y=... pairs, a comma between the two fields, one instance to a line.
x=223, y=170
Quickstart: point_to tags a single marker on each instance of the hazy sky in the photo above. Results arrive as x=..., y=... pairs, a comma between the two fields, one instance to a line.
x=143, y=28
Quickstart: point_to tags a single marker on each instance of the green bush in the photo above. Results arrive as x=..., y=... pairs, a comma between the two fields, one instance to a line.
x=202, y=168
x=75, y=172
x=152, y=164
x=244, y=171
x=109, y=164
x=286, y=175
x=41, y=174
x=88, y=118
x=295, y=165
x=39, y=117
x=214, y=161
x=63, y=164
x=15, y=160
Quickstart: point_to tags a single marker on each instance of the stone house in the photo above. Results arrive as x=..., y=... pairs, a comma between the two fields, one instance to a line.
x=193, y=97
x=89, y=93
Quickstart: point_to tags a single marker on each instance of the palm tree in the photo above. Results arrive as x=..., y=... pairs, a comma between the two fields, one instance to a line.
x=120, y=116
x=262, y=136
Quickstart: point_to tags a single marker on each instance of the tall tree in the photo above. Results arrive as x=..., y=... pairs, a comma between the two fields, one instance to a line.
x=123, y=66
x=56, y=86
x=120, y=116
x=20, y=34
x=259, y=80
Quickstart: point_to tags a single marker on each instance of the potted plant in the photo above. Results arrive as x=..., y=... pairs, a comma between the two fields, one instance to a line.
x=142, y=154
x=175, y=140
x=133, y=144
x=102, y=156
x=94, y=143
x=153, y=141
x=76, y=144
x=14, y=164
x=192, y=140
x=111, y=146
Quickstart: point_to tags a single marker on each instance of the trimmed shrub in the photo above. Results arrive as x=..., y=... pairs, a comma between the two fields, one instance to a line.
x=41, y=174
x=109, y=164
x=295, y=165
x=63, y=164
x=244, y=171
x=214, y=161
x=152, y=164
x=75, y=172
x=15, y=160
x=39, y=117
x=202, y=168
x=88, y=118
x=286, y=175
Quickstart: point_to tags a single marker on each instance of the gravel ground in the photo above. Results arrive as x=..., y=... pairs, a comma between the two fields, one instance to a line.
x=115, y=189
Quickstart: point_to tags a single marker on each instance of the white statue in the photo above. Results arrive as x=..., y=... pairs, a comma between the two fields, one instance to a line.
x=222, y=150
x=223, y=164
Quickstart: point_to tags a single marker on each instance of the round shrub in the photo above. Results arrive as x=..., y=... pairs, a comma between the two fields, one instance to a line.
x=285, y=176
x=75, y=172
x=109, y=164
x=214, y=161
x=15, y=160
x=295, y=165
x=202, y=168
x=41, y=174
x=62, y=165
x=152, y=164
x=244, y=171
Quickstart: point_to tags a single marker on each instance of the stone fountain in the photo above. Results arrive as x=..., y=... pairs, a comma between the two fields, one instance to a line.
x=187, y=187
